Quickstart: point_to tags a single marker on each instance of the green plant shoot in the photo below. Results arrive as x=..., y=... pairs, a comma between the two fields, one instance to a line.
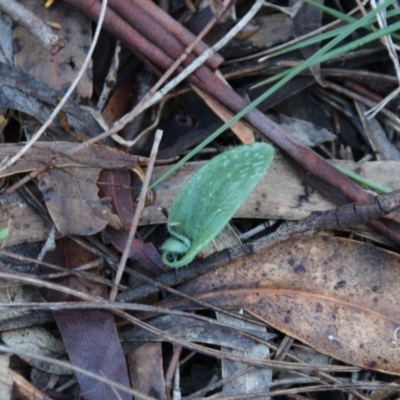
x=3, y=233
x=210, y=198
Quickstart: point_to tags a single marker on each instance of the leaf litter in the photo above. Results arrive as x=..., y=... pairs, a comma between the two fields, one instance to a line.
x=333, y=294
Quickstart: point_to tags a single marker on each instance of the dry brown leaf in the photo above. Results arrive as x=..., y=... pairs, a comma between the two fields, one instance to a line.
x=57, y=70
x=146, y=370
x=71, y=198
x=70, y=188
x=43, y=152
x=338, y=296
x=274, y=29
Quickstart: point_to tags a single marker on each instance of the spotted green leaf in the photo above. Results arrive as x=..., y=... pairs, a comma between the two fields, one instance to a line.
x=210, y=198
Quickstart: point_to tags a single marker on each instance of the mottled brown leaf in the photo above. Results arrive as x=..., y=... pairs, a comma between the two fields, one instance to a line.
x=339, y=296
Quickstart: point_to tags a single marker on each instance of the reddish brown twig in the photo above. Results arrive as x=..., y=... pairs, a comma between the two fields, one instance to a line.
x=160, y=18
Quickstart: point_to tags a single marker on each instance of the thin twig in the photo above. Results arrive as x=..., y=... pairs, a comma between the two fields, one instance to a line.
x=136, y=217
x=60, y=105
x=72, y=367
x=154, y=124
x=31, y=280
x=33, y=24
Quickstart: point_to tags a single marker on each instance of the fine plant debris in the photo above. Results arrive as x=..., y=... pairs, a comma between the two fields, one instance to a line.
x=199, y=199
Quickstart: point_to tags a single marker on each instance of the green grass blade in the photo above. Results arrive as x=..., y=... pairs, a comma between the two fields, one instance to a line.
x=377, y=187
x=360, y=42
x=344, y=17
x=322, y=37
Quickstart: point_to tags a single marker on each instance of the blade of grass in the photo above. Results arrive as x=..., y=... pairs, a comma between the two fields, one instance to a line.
x=340, y=50
x=290, y=74
x=377, y=187
x=338, y=14
x=331, y=11
x=320, y=38
x=360, y=42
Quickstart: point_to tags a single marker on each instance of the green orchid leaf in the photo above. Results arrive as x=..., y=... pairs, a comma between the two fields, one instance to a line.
x=210, y=199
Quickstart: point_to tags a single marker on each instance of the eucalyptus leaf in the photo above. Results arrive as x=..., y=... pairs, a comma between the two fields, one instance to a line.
x=210, y=199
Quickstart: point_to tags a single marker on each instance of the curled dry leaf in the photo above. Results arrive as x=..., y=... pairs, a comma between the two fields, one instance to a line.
x=339, y=296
